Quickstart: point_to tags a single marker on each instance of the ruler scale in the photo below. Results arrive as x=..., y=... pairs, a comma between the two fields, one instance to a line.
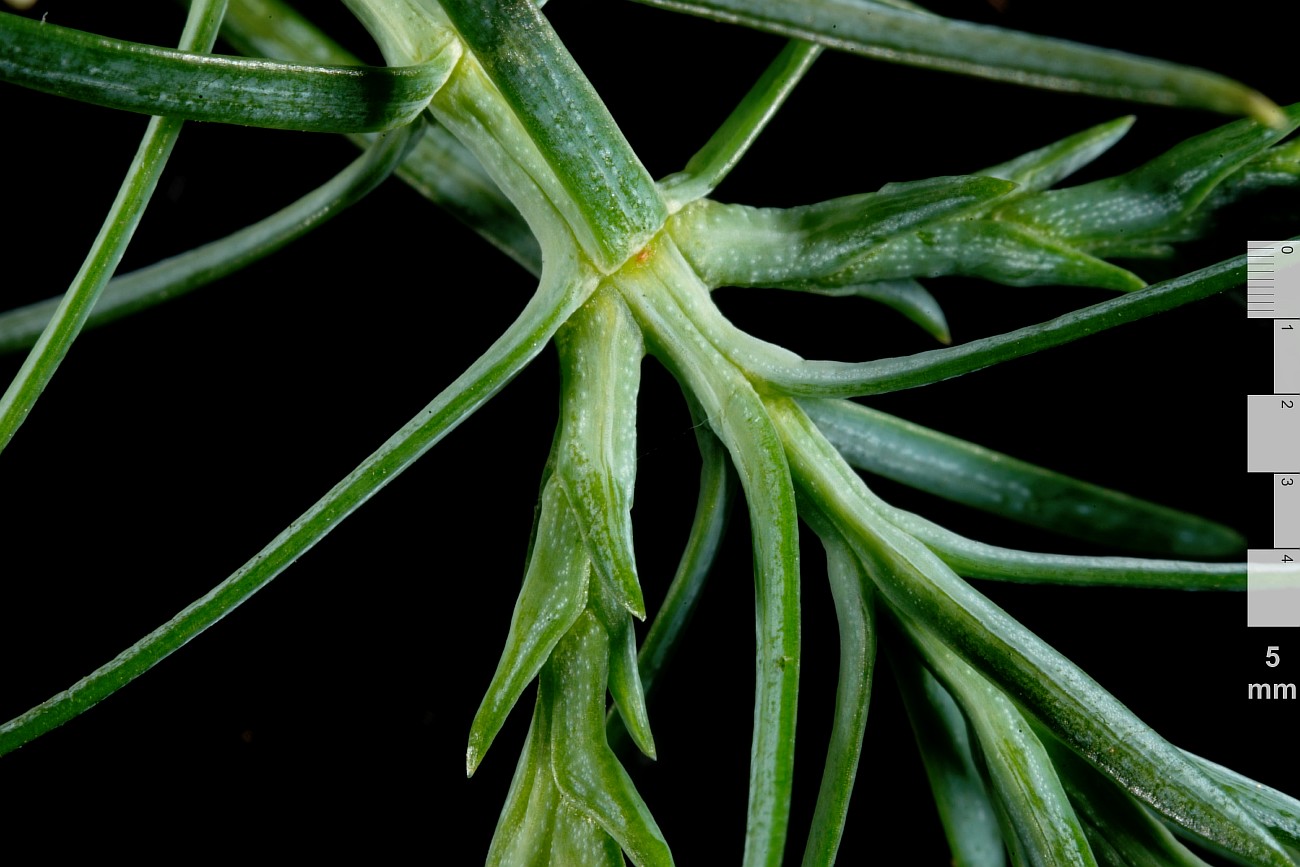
x=1273, y=433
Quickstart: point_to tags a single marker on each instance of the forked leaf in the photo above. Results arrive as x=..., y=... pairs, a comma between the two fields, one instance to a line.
x=196, y=86
x=1109, y=217
x=916, y=583
x=781, y=370
x=659, y=291
x=565, y=285
x=922, y=39
x=553, y=596
x=994, y=482
x=1030, y=798
x=969, y=821
x=817, y=245
x=572, y=686
x=595, y=459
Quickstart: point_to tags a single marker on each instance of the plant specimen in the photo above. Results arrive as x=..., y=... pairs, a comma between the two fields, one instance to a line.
x=627, y=265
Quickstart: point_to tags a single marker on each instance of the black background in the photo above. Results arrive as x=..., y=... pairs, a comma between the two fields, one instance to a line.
x=329, y=713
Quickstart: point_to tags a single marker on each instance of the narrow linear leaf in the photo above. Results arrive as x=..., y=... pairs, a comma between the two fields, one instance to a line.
x=1030, y=797
x=969, y=821
x=624, y=675
x=616, y=198
x=600, y=362
x=713, y=162
x=978, y=560
x=196, y=86
x=564, y=287
x=73, y=309
x=916, y=583
x=783, y=371
x=920, y=39
x=851, y=591
x=666, y=298
x=553, y=596
x=171, y=278
x=1046, y=166
x=586, y=771
x=712, y=512
x=908, y=297
x=975, y=476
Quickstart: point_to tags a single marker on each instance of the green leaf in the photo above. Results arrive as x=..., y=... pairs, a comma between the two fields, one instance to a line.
x=1044, y=167
x=1030, y=797
x=850, y=588
x=917, y=584
x=439, y=167
x=975, y=476
x=783, y=371
x=978, y=560
x=1121, y=831
x=921, y=39
x=600, y=361
x=616, y=201
x=586, y=772
x=554, y=595
x=996, y=250
x=969, y=820
x=667, y=299
x=537, y=825
x=624, y=675
x=908, y=297
x=1277, y=811
x=817, y=245
x=526, y=827
x=1111, y=217
x=182, y=84
x=69, y=317
x=564, y=287
x=171, y=278
x=713, y=162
